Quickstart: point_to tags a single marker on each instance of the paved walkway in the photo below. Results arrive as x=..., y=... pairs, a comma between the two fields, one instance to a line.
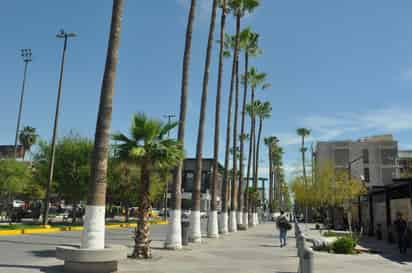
x=387, y=261
x=254, y=251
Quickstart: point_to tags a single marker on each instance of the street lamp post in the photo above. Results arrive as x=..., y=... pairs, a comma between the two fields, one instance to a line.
x=169, y=120
x=62, y=35
x=26, y=55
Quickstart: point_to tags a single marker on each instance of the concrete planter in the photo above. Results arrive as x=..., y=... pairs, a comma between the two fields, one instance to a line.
x=77, y=260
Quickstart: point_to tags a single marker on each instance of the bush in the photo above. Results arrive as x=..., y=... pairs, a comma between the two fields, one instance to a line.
x=344, y=245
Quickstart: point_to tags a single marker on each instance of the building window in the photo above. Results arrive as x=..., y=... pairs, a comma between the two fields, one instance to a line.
x=365, y=156
x=388, y=156
x=366, y=174
x=189, y=181
x=341, y=157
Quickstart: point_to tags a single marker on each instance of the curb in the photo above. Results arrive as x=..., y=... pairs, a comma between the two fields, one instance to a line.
x=76, y=228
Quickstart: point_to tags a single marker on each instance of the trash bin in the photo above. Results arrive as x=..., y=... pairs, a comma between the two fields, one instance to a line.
x=185, y=233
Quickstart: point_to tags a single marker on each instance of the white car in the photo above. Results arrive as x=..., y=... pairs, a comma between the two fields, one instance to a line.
x=18, y=204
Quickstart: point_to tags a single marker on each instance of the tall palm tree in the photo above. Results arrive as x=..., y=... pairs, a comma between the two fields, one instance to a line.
x=94, y=229
x=255, y=80
x=263, y=111
x=249, y=44
x=271, y=142
x=174, y=236
x=196, y=234
x=240, y=8
x=27, y=138
x=212, y=231
x=149, y=148
x=304, y=132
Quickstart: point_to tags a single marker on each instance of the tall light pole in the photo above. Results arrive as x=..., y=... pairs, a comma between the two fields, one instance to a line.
x=26, y=55
x=62, y=35
x=169, y=120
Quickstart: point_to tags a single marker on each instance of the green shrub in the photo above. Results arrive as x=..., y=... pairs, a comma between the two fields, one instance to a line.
x=344, y=245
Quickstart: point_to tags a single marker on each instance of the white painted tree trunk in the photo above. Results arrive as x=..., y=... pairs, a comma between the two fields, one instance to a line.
x=195, y=235
x=94, y=228
x=174, y=230
x=223, y=225
x=246, y=220
x=232, y=221
x=212, y=225
x=239, y=218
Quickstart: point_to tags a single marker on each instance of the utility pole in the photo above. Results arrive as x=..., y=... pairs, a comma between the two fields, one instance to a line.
x=169, y=120
x=26, y=55
x=61, y=35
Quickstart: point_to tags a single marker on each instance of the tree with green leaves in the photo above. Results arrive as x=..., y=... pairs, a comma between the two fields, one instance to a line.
x=14, y=175
x=195, y=231
x=174, y=235
x=271, y=142
x=27, y=138
x=72, y=167
x=303, y=133
x=148, y=147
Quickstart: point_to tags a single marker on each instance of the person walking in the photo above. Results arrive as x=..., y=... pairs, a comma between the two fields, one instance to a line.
x=401, y=227
x=283, y=225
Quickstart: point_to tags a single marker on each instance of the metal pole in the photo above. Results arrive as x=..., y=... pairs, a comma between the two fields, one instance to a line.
x=53, y=145
x=26, y=54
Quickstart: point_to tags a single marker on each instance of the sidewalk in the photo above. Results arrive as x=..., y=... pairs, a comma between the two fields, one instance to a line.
x=388, y=261
x=254, y=251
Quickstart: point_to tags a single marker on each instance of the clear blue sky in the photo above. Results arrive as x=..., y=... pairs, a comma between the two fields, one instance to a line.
x=341, y=68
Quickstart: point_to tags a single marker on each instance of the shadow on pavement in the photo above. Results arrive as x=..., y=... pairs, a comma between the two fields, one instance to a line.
x=46, y=269
x=387, y=251
x=50, y=253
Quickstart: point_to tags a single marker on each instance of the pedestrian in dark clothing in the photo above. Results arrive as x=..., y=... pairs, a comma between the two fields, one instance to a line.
x=401, y=227
x=283, y=226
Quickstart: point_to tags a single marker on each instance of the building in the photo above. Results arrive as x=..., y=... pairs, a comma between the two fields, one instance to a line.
x=372, y=159
x=405, y=164
x=188, y=182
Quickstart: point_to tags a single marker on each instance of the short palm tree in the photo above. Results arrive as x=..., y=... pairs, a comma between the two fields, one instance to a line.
x=149, y=148
x=174, y=235
x=304, y=132
x=27, y=138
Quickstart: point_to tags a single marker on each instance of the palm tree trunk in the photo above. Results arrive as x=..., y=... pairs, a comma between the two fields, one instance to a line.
x=234, y=217
x=142, y=240
x=174, y=236
x=257, y=152
x=270, y=180
x=251, y=159
x=196, y=234
x=94, y=226
x=241, y=199
x=212, y=227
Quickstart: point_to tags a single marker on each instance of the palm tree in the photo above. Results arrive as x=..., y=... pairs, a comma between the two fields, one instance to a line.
x=240, y=8
x=196, y=234
x=94, y=229
x=255, y=80
x=174, y=236
x=249, y=44
x=271, y=142
x=149, y=148
x=27, y=138
x=304, y=132
x=263, y=111
x=212, y=230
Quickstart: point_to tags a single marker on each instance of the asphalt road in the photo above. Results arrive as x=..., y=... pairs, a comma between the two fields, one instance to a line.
x=36, y=252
